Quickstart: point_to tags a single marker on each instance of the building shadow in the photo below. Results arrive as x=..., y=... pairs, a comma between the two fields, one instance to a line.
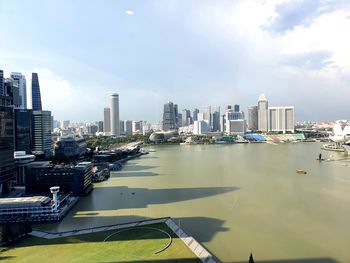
x=133, y=168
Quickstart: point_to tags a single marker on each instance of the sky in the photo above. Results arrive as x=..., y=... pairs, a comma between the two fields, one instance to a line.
x=194, y=53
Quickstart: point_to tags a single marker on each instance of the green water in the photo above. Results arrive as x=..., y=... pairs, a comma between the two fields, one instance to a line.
x=235, y=199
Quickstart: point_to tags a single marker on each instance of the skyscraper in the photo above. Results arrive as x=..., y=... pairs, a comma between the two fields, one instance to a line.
x=41, y=132
x=195, y=114
x=236, y=108
x=169, y=116
x=1, y=82
x=262, y=113
x=11, y=90
x=115, y=115
x=186, y=117
x=22, y=87
x=253, y=118
x=23, y=130
x=107, y=120
x=7, y=164
x=215, y=117
x=36, y=97
x=281, y=119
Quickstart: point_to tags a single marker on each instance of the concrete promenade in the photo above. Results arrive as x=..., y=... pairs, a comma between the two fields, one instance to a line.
x=203, y=254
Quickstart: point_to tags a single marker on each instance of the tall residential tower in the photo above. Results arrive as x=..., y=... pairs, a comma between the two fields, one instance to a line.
x=262, y=113
x=115, y=115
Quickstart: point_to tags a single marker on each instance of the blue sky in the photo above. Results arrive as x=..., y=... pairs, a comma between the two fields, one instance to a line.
x=195, y=53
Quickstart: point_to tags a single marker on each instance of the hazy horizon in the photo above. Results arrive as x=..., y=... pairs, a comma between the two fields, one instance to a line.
x=194, y=53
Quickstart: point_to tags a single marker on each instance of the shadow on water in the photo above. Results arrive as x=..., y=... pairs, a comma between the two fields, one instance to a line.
x=138, y=167
x=123, y=197
x=301, y=260
x=133, y=174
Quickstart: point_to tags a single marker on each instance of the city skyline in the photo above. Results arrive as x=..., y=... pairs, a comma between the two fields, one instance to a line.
x=296, y=51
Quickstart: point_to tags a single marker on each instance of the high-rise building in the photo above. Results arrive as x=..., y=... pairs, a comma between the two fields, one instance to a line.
x=186, y=117
x=236, y=108
x=122, y=127
x=262, y=113
x=65, y=124
x=1, y=82
x=237, y=127
x=215, y=118
x=170, y=116
x=11, y=90
x=115, y=131
x=22, y=87
x=195, y=114
x=223, y=123
x=36, y=97
x=228, y=107
x=207, y=114
x=178, y=116
x=137, y=127
x=128, y=128
x=23, y=130
x=281, y=119
x=41, y=132
x=7, y=163
x=201, y=127
x=253, y=118
x=107, y=120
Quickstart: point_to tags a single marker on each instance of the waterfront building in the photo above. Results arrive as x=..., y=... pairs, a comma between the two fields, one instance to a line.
x=11, y=90
x=115, y=130
x=215, y=118
x=7, y=163
x=128, y=128
x=70, y=147
x=281, y=119
x=1, y=82
x=236, y=108
x=22, y=87
x=201, y=127
x=107, y=120
x=186, y=117
x=195, y=113
x=35, y=96
x=170, y=116
x=253, y=118
x=41, y=176
x=41, y=132
x=262, y=113
x=236, y=127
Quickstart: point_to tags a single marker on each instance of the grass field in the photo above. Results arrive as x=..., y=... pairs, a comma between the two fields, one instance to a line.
x=134, y=245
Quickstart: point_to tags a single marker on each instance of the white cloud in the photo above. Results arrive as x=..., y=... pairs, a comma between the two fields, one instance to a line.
x=129, y=12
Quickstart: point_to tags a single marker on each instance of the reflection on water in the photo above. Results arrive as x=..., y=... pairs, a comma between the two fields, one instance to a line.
x=236, y=199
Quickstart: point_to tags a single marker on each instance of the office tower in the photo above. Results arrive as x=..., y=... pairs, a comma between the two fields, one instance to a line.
x=11, y=90
x=236, y=108
x=186, y=117
x=262, y=113
x=201, y=127
x=170, y=116
x=137, y=127
x=1, y=82
x=195, y=114
x=232, y=115
x=281, y=119
x=215, y=117
x=23, y=130
x=92, y=129
x=7, y=163
x=107, y=120
x=207, y=114
x=178, y=116
x=36, y=97
x=22, y=87
x=122, y=127
x=223, y=123
x=115, y=115
x=65, y=124
x=128, y=128
x=41, y=132
x=228, y=107
x=237, y=127
x=253, y=118
x=100, y=126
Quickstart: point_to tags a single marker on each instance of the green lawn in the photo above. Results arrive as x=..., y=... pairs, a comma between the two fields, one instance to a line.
x=136, y=245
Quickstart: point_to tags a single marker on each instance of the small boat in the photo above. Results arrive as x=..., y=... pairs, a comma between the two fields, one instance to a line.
x=301, y=172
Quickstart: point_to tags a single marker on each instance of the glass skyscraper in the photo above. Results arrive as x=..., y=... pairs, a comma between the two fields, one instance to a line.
x=36, y=97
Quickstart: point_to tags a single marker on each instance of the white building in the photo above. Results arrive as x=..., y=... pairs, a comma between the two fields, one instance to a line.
x=262, y=113
x=281, y=119
x=115, y=115
x=201, y=127
x=107, y=121
x=22, y=87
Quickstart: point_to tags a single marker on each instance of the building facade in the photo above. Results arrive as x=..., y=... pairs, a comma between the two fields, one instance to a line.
x=281, y=119
x=23, y=130
x=22, y=87
x=253, y=118
x=170, y=114
x=128, y=128
x=115, y=131
x=107, y=120
x=36, y=95
x=263, y=113
x=1, y=82
x=236, y=127
x=195, y=114
x=215, y=118
x=41, y=132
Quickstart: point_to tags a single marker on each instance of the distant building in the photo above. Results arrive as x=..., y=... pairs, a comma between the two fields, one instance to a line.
x=92, y=129
x=100, y=126
x=170, y=116
x=11, y=89
x=201, y=127
x=253, y=118
x=115, y=130
x=7, y=163
x=195, y=113
x=186, y=117
x=107, y=120
x=41, y=176
x=207, y=115
x=262, y=113
x=215, y=118
x=236, y=108
x=65, y=124
x=281, y=119
x=23, y=130
x=137, y=127
x=223, y=123
x=36, y=96
x=22, y=88
x=128, y=128
x=41, y=132
x=1, y=82
x=237, y=127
